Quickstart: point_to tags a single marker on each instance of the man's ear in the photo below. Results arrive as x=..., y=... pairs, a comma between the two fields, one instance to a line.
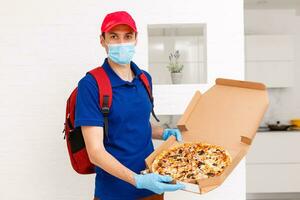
x=136, y=38
x=102, y=41
x=103, y=44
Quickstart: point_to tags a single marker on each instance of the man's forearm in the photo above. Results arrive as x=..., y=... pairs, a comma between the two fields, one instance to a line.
x=157, y=131
x=107, y=162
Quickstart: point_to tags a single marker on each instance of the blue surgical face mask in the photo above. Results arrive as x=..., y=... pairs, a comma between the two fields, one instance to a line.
x=121, y=53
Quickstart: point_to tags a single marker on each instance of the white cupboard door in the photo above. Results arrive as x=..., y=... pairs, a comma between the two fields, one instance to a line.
x=271, y=73
x=269, y=48
x=275, y=148
x=267, y=178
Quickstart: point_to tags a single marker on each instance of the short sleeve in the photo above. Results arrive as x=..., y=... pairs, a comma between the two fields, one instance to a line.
x=87, y=111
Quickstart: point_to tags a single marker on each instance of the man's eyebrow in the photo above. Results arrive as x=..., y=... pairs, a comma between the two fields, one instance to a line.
x=128, y=33
x=112, y=33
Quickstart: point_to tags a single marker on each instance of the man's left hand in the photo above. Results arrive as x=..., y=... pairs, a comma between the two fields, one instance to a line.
x=172, y=131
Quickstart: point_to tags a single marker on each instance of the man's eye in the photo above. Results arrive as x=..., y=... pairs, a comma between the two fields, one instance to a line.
x=129, y=36
x=113, y=37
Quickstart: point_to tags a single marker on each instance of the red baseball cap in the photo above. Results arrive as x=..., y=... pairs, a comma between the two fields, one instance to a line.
x=116, y=18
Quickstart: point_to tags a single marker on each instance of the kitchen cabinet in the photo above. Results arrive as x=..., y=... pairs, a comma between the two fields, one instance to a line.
x=270, y=59
x=269, y=47
x=273, y=163
x=273, y=178
x=274, y=74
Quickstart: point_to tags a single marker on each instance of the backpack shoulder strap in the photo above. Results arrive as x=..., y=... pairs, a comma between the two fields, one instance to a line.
x=146, y=84
x=105, y=93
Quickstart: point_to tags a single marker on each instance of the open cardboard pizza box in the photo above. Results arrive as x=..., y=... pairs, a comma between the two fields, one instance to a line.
x=228, y=114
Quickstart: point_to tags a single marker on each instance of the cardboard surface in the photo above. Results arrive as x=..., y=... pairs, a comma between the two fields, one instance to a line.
x=228, y=114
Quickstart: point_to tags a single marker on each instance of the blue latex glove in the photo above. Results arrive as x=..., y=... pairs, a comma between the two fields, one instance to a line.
x=172, y=131
x=156, y=183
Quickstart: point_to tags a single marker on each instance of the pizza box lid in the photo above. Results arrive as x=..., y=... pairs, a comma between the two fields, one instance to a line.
x=228, y=114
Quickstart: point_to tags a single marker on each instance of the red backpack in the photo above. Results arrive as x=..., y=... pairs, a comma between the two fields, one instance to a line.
x=74, y=138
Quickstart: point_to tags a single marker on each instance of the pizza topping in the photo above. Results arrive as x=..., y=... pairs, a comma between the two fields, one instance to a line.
x=201, y=152
x=210, y=174
x=200, y=163
x=192, y=161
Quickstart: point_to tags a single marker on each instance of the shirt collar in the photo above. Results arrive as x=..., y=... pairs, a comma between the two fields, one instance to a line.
x=115, y=80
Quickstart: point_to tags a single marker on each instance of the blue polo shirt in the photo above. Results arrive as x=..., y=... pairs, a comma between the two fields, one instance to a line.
x=129, y=128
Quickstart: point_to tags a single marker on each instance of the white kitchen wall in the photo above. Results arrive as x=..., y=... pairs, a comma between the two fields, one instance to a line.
x=47, y=46
x=284, y=102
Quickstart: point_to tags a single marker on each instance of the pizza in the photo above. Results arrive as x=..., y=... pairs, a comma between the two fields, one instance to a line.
x=189, y=162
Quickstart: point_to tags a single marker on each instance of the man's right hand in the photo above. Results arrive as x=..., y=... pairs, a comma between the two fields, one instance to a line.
x=156, y=183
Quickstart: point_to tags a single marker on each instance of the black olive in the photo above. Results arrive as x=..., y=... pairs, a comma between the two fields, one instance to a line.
x=210, y=174
x=200, y=163
x=201, y=152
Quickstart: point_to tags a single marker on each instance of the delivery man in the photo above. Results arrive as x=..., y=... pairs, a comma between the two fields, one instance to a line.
x=119, y=159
